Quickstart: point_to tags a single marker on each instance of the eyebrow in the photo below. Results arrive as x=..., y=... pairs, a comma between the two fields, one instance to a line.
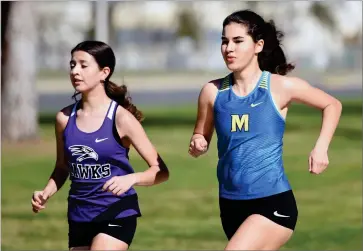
x=238, y=37
x=82, y=61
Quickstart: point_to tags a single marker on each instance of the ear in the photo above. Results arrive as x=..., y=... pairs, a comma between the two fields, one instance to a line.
x=259, y=46
x=105, y=72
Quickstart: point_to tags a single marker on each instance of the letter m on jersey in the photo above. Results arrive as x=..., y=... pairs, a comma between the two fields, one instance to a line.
x=240, y=122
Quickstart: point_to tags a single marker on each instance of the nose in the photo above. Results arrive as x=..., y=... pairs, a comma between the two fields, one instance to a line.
x=230, y=46
x=74, y=71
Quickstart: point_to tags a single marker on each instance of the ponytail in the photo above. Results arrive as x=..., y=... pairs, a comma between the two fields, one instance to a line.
x=120, y=95
x=272, y=57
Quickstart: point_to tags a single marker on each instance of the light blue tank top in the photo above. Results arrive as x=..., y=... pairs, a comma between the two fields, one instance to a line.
x=250, y=142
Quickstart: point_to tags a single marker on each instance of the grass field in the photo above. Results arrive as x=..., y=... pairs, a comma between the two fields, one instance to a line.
x=182, y=214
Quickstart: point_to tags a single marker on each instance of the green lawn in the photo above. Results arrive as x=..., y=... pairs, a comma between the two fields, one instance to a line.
x=182, y=214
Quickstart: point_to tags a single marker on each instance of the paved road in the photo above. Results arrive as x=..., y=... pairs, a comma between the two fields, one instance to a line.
x=54, y=102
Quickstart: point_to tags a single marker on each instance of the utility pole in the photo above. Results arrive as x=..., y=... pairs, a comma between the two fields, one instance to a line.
x=101, y=21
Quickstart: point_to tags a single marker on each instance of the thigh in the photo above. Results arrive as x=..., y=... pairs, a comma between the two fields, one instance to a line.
x=275, y=214
x=106, y=242
x=255, y=233
x=233, y=213
x=117, y=234
x=80, y=235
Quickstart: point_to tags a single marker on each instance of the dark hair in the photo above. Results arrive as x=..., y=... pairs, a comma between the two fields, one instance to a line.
x=105, y=57
x=272, y=57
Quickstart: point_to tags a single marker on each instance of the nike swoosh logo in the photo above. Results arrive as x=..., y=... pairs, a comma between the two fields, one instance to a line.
x=100, y=140
x=280, y=215
x=112, y=225
x=254, y=105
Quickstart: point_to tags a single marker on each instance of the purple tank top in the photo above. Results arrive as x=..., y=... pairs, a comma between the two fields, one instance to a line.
x=93, y=158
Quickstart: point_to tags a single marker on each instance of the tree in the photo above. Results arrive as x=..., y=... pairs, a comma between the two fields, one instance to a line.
x=19, y=101
x=188, y=24
x=111, y=33
x=323, y=14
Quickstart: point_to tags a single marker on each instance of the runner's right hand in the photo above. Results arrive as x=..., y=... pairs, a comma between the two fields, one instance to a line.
x=38, y=200
x=198, y=146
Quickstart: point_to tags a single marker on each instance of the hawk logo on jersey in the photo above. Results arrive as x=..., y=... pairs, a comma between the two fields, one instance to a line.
x=85, y=152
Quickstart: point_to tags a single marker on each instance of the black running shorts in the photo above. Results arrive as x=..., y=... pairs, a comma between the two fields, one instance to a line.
x=280, y=208
x=82, y=233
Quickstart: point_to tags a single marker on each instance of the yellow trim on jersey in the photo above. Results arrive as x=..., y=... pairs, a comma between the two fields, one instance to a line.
x=225, y=84
x=263, y=83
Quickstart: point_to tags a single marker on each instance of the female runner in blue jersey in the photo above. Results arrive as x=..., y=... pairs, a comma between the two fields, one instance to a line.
x=248, y=109
x=93, y=140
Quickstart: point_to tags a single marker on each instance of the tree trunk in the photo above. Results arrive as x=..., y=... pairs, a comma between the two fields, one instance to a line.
x=19, y=101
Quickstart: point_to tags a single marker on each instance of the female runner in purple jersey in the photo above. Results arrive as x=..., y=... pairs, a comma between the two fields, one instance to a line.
x=257, y=213
x=93, y=139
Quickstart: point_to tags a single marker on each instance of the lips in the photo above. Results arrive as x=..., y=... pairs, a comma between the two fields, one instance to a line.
x=77, y=81
x=230, y=59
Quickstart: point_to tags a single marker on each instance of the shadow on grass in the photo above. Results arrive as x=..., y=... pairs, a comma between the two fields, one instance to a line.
x=349, y=108
x=300, y=117
x=348, y=133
